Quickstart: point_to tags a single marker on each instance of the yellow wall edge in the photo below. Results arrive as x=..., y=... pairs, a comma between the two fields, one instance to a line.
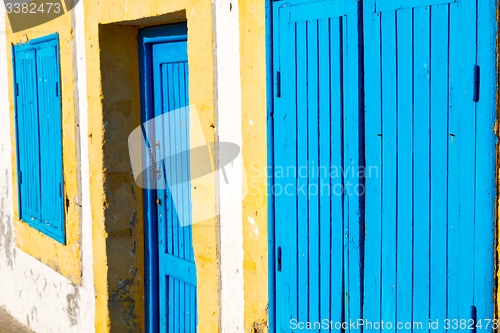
x=254, y=152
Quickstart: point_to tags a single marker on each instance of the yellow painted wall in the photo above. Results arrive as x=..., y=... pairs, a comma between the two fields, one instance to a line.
x=113, y=93
x=63, y=258
x=254, y=151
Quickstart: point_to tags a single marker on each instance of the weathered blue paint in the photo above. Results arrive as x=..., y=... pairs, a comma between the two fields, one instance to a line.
x=39, y=135
x=419, y=244
x=166, y=89
x=316, y=124
x=429, y=215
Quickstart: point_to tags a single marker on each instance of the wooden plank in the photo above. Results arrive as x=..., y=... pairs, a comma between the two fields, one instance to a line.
x=158, y=77
x=302, y=159
x=346, y=167
x=170, y=149
x=373, y=151
x=180, y=202
x=389, y=169
x=455, y=99
x=324, y=163
x=151, y=238
x=391, y=5
x=485, y=163
x=285, y=155
x=182, y=269
x=467, y=159
x=272, y=65
x=178, y=249
x=310, y=11
x=170, y=207
x=421, y=255
x=353, y=154
x=404, y=206
x=313, y=149
x=439, y=161
x=337, y=152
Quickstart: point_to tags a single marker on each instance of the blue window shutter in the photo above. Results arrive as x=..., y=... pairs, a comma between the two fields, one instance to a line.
x=39, y=135
x=49, y=110
x=27, y=137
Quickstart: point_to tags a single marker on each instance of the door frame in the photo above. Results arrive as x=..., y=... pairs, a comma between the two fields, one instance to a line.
x=270, y=81
x=146, y=38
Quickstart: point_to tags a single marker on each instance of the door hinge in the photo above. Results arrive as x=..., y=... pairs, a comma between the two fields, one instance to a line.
x=474, y=318
x=17, y=89
x=476, y=83
x=60, y=190
x=57, y=89
x=279, y=259
x=20, y=177
x=278, y=84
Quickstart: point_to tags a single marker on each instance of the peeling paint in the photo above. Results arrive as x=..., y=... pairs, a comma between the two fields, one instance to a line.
x=73, y=306
x=254, y=226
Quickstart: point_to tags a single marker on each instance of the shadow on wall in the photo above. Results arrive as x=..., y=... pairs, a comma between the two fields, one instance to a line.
x=26, y=14
x=123, y=201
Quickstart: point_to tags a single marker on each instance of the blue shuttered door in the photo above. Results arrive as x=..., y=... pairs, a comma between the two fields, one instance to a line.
x=28, y=144
x=177, y=270
x=416, y=241
x=430, y=212
x=39, y=135
x=316, y=134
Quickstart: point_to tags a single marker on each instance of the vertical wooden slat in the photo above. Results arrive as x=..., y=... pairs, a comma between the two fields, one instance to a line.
x=290, y=100
x=159, y=106
x=454, y=166
x=324, y=163
x=373, y=150
x=186, y=185
x=389, y=169
x=302, y=157
x=313, y=149
x=174, y=308
x=336, y=153
x=421, y=76
x=467, y=146
x=485, y=162
x=353, y=158
x=180, y=202
x=286, y=129
x=404, y=206
x=28, y=145
x=170, y=208
x=439, y=160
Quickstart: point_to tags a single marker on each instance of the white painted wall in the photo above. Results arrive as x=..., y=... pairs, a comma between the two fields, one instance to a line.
x=32, y=292
x=228, y=129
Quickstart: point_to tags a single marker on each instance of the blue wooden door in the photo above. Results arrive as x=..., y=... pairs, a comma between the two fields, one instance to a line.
x=316, y=129
x=176, y=267
x=430, y=209
x=383, y=153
